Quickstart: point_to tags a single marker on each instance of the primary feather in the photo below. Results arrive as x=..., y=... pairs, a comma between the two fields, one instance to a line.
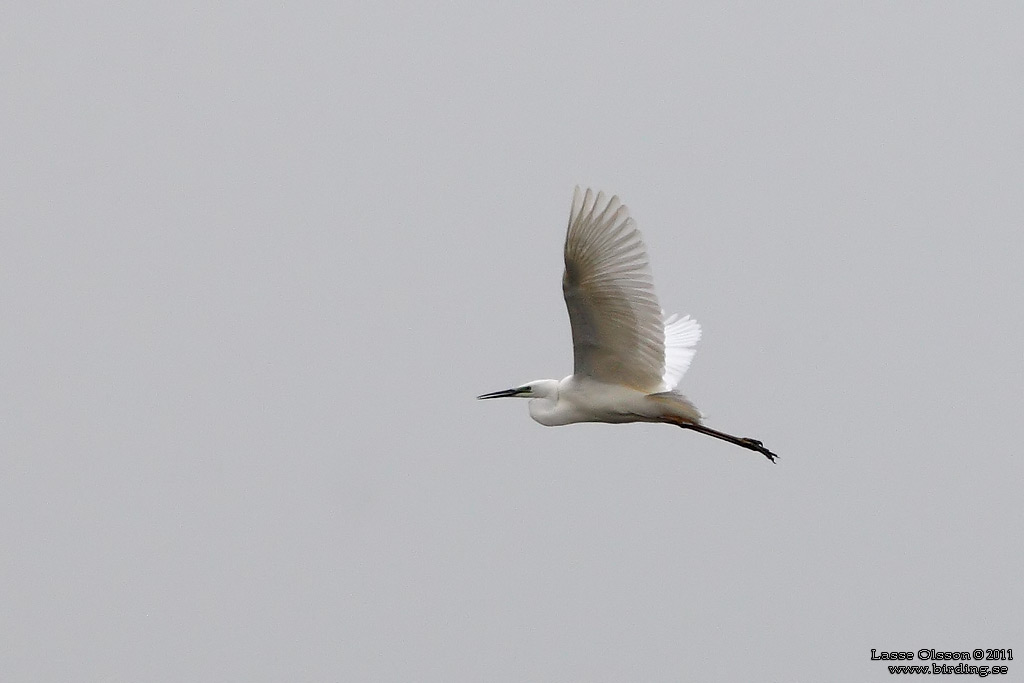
x=681, y=337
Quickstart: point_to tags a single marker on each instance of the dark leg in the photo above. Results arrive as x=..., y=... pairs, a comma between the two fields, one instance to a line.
x=752, y=444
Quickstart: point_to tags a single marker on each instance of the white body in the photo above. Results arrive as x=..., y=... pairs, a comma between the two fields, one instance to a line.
x=582, y=399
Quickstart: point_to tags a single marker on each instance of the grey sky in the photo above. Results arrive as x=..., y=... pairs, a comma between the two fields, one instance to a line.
x=256, y=260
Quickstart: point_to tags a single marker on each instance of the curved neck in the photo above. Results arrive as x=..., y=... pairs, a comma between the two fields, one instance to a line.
x=545, y=408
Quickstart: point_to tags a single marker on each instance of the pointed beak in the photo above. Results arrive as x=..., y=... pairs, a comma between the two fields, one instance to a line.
x=505, y=393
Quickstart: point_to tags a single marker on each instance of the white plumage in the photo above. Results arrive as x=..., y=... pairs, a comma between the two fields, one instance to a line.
x=681, y=337
x=629, y=356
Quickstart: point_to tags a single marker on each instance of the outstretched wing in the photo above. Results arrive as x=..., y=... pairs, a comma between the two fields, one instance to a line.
x=618, y=335
x=681, y=336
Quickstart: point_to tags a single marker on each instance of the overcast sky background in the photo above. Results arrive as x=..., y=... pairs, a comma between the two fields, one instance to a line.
x=257, y=259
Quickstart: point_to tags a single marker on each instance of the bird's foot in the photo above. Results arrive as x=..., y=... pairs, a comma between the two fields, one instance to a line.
x=755, y=445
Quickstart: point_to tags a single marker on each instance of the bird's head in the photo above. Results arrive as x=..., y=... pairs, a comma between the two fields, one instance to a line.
x=541, y=388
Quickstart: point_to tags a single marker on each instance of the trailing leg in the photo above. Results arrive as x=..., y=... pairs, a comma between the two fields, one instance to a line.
x=750, y=444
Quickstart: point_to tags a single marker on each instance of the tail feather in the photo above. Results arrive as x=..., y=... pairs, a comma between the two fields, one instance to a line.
x=682, y=407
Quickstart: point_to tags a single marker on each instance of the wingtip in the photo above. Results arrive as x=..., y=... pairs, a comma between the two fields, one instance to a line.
x=590, y=204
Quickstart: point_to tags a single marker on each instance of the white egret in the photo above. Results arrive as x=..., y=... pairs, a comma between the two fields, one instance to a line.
x=629, y=356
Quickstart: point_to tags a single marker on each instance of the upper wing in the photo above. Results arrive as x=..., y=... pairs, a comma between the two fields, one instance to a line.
x=617, y=328
x=681, y=336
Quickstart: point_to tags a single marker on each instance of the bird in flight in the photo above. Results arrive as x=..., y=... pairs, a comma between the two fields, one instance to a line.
x=628, y=355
